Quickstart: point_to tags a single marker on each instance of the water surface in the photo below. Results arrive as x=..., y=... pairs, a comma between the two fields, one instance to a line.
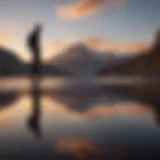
x=80, y=121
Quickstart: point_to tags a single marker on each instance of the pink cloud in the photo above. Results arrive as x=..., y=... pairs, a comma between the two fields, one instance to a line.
x=85, y=8
x=115, y=46
x=102, y=45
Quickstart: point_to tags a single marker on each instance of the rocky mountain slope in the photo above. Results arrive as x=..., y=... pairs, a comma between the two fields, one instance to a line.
x=146, y=64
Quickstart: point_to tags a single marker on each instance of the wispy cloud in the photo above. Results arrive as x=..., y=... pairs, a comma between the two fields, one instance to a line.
x=85, y=8
x=115, y=46
x=101, y=45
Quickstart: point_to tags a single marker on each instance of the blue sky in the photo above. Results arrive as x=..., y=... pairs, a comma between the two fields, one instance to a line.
x=136, y=22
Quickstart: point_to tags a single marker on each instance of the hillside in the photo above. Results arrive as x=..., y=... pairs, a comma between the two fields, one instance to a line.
x=146, y=64
x=11, y=65
x=81, y=60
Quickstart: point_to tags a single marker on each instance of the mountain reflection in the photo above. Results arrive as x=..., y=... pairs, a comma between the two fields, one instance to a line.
x=86, y=102
x=7, y=98
x=83, y=121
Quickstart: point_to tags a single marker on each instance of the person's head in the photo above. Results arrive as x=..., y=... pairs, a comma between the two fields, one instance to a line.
x=38, y=28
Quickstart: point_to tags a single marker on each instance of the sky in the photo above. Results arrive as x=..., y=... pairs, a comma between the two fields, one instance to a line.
x=124, y=26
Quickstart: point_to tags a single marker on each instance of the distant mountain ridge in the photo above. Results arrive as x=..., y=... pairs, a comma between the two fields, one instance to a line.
x=11, y=65
x=81, y=60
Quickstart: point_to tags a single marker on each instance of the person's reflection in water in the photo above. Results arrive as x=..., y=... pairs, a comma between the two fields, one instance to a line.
x=34, y=45
x=34, y=120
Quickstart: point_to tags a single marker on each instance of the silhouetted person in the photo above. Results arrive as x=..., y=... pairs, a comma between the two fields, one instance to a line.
x=34, y=45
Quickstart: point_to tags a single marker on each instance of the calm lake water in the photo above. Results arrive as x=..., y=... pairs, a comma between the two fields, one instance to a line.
x=84, y=121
